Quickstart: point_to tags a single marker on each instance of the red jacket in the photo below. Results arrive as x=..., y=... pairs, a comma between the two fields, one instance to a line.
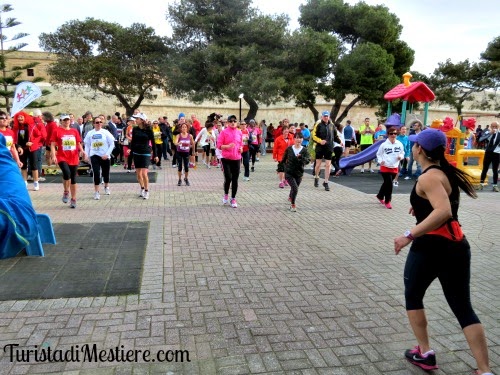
x=50, y=128
x=36, y=132
x=280, y=146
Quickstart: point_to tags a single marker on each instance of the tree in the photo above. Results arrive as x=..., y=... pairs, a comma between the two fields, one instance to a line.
x=492, y=56
x=455, y=84
x=10, y=77
x=125, y=62
x=372, y=57
x=224, y=49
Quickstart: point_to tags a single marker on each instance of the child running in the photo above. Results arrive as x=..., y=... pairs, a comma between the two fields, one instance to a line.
x=294, y=160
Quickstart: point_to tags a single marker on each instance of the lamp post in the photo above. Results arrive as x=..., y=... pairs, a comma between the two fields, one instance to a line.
x=240, y=97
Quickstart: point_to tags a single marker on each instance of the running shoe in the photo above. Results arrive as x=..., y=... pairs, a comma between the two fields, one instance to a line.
x=372, y=171
x=257, y=159
x=73, y=203
x=97, y=196
x=42, y=179
x=141, y=195
x=107, y=191
x=65, y=197
x=495, y=188
x=281, y=185
x=246, y=178
x=407, y=178
x=286, y=183
x=174, y=165
x=395, y=183
x=381, y=201
x=187, y=182
x=233, y=203
x=225, y=199
x=252, y=169
x=316, y=181
x=325, y=185
x=293, y=208
x=179, y=183
x=146, y=195
x=388, y=205
x=426, y=362
x=129, y=170
x=36, y=186
x=362, y=170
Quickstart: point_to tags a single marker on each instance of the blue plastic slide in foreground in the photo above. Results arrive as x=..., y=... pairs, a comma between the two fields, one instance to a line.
x=348, y=163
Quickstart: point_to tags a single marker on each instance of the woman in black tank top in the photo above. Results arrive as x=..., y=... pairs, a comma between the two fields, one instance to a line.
x=439, y=250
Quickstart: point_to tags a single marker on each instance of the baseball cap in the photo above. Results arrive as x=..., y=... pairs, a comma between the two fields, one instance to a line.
x=130, y=119
x=181, y=115
x=325, y=113
x=64, y=116
x=142, y=116
x=251, y=121
x=429, y=139
x=231, y=117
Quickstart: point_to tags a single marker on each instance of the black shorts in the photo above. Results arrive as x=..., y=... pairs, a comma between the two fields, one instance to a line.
x=142, y=161
x=347, y=144
x=324, y=152
x=364, y=147
x=281, y=167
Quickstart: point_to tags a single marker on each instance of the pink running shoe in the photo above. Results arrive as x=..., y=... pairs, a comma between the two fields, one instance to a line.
x=282, y=185
x=286, y=183
x=388, y=205
x=427, y=362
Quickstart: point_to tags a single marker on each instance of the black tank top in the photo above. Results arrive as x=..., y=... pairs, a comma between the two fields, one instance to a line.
x=422, y=207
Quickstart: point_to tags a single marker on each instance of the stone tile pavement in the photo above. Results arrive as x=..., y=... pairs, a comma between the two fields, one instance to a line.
x=257, y=289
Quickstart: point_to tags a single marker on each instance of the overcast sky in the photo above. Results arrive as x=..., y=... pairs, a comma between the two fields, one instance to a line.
x=436, y=30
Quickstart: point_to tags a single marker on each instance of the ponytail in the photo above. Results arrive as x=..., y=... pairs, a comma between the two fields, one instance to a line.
x=455, y=175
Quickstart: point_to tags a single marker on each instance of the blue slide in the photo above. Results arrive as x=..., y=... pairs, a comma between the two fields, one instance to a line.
x=18, y=222
x=347, y=164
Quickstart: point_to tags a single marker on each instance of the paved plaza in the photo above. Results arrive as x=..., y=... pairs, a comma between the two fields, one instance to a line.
x=257, y=289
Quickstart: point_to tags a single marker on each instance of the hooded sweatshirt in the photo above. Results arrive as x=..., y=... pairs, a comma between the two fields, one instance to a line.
x=227, y=136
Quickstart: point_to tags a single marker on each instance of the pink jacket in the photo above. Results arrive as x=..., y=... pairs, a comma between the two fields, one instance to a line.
x=227, y=136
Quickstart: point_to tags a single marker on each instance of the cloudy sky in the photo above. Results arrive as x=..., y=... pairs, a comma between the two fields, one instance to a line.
x=436, y=30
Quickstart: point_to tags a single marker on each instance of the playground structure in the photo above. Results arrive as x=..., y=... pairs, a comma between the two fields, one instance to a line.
x=411, y=93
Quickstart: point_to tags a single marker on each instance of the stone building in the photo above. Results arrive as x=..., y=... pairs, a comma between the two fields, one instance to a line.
x=78, y=100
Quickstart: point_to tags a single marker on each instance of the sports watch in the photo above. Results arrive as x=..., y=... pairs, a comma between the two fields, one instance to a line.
x=408, y=234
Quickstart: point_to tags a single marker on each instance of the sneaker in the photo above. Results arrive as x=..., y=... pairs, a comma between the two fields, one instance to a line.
x=107, y=191
x=495, y=188
x=257, y=159
x=97, y=196
x=129, y=170
x=426, y=362
x=141, y=195
x=225, y=199
x=42, y=179
x=286, y=183
x=246, y=178
x=252, y=169
x=481, y=186
x=191, y=165
x=187, y=182
x=325, y=185
x=372, y=171
x=36, y=186
x=30, y=178
x=65, y=197
x=395, y=183
x=407, y=178
x=316, y=181
x=73, y=203
x=146, y=195
x=381, y=201
x=281, y=185
x=233, y=203
x=362, y=170
x=293, y=208
x=388, y=205
x=179, y=183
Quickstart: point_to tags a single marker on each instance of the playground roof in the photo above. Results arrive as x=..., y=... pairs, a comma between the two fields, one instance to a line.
x=415, y=92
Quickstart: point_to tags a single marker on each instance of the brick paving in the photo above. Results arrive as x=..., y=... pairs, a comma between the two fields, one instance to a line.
x=258, y=289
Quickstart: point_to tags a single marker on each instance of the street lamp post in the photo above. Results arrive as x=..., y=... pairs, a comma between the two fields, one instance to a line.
x=240, y=97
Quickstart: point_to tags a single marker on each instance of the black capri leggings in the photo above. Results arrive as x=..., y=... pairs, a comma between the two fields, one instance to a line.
x=432, y=257
x=294, y=183
x=68, y=171
x=182, y=160
x=98, y=164
x=231, y=169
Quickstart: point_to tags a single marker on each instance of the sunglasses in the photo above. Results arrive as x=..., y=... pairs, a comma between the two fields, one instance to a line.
x=98, y=122
x=65, y=119
x=233, y=121
x=393, y=133
x=3, y=118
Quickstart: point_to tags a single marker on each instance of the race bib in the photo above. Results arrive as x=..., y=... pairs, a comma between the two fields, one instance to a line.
x=9, y=141
x=97, y=141
x=68, y=143
x=184, y=146
x=157, y=135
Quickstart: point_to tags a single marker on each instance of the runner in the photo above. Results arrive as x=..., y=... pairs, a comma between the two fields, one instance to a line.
x=294, y=160
x=66, y=140
x=183, y=143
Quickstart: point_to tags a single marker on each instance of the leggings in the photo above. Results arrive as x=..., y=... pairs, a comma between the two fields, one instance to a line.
x=182, y=159
x=492, y=158
x=159, y=152
x=231, y=170
x=432, y=257
x=98, y=164
x=294, y=183
x=386, y=188
x=68, y=171
x=253, y=153
x=245, y=156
